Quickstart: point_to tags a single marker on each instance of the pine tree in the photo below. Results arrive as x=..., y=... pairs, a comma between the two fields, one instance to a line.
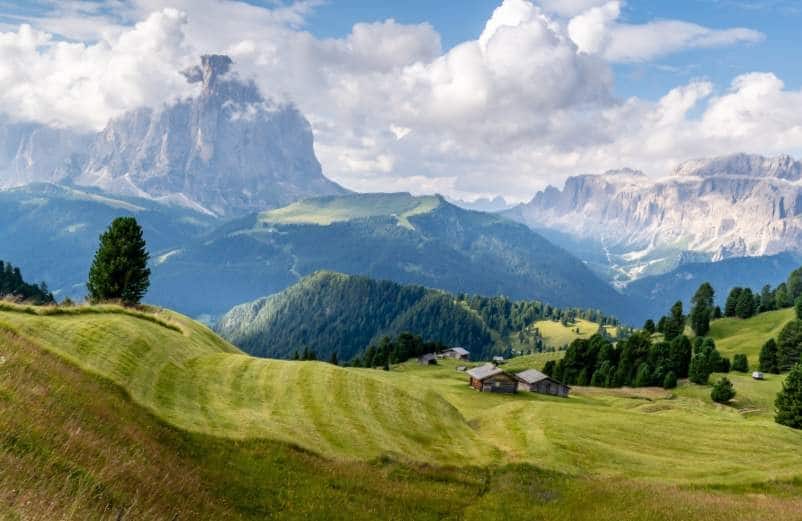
x=333, y=360
x=789, y=345
x=670, y=381
x=644, y=376
x=723, y=391
x=120, y=268
x=768, y=358
x=732, y=302
x=798, y=308
x=740, y=363
x=788, y=405
x=649, y=326
x=745, y=307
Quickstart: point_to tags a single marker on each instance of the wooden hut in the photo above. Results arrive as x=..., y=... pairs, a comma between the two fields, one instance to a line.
x=534, y=381
x=427, y=359
x=489, y=378
x=457, y=353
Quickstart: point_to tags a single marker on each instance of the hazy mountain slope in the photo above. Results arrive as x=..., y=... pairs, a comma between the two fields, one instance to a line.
x=714, y=208
x=52, y=231
x=657, y=293
x=397, y=237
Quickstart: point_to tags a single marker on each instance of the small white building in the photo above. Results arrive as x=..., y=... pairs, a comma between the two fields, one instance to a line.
x=757, y=375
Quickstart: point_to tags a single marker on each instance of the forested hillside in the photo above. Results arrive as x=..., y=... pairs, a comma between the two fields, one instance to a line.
x=13, y=286
x=332, y=312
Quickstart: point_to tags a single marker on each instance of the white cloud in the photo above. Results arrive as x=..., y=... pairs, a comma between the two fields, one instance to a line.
x=526, y=103
x=598, y=31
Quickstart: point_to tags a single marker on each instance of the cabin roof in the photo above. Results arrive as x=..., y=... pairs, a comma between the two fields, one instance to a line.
x=484, y=371
x=458, y=350
x=428, y=357
x=531, y=376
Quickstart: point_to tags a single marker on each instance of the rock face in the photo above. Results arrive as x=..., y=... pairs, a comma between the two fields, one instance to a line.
x=712, y=209
x=226, y=151
x=31, y=152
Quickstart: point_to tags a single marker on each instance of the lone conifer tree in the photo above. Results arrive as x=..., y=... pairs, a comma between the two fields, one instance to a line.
x=788, y=404
x=120, y=269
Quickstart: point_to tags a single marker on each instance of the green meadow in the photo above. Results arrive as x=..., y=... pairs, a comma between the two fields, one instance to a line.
x=107, y=412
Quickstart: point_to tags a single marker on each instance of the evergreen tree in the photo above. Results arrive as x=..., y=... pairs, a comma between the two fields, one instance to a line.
x=740, y=363
x=788, y=405
x=670, y=381
x=789, y=345
x=704, y=296
x=781, y=298
x=644, y=376
x=333, y=359
x=732, y=302
x=675, y=324
x=699, y=370
x=649, y=326
x=768, y=362
x=794, y=285
x=548, y=369
x=798, y=308
x=680, y=353
x=745, y=307
x=120, y=268
x=723, y=391
x=700, y=319
x=767, y=300
x=717, y=314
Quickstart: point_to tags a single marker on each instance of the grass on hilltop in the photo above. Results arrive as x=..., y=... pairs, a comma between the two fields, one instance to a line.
x=79, y=447
x=555, y=334
x=747, y=336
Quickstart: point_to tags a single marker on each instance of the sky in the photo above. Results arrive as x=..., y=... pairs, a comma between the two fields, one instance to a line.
x=469, y=98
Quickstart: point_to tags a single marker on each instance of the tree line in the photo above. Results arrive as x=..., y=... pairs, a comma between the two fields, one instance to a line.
x=14, y=286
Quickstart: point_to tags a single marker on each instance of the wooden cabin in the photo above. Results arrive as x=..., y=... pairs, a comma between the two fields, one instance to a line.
x=427, y=359
x=534, y=381
x=489, y=378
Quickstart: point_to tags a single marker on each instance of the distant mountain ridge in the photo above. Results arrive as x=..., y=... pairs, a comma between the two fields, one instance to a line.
x=707, y=209
x=398, y=237
x=227, y=151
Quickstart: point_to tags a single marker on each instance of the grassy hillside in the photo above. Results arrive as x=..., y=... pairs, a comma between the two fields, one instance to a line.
x=600, y=454
x=735, y=335
x=196, y=381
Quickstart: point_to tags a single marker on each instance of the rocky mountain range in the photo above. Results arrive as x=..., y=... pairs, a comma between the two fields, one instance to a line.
x=227, y=151
x=631, y=225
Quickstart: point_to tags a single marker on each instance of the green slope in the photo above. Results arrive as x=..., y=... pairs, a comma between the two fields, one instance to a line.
x=81, y=449
x=196, y=381
x=735, y=335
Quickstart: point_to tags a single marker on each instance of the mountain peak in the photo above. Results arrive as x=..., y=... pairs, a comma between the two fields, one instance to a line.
x=211, y=68
x=746, y=165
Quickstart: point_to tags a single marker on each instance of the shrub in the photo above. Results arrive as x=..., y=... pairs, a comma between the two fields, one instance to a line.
x=740, y=363
x=722, y=391
x=670, y=381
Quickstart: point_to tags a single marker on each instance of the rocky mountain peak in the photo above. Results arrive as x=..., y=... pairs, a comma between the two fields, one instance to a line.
x=212, y=67
x=744, y=165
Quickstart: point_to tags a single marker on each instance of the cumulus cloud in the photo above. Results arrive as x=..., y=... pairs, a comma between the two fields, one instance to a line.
x=527, y=102
x=597, y=31
x=75, y=84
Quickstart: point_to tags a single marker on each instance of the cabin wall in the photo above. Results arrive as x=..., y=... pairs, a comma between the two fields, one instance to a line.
x=499, y=384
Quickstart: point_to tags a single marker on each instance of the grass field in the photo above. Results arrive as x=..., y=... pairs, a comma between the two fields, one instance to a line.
x=242, y=438
x=555, y=334
x=735, y=335
x=326, y=210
